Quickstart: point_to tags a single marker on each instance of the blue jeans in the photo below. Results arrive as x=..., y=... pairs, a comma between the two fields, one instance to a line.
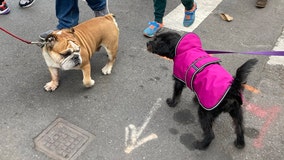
x=67, y=11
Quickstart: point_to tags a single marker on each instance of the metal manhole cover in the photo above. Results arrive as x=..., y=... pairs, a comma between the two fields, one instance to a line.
x=62, y=140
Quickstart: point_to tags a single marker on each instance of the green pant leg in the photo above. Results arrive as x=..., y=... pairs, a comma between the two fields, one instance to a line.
x=188, y=4
x=159, y=10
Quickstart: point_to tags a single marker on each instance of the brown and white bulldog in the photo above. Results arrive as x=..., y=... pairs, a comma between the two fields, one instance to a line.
x=73, y=48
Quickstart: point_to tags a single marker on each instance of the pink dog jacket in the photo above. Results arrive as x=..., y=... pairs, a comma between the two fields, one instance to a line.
x=200, y=72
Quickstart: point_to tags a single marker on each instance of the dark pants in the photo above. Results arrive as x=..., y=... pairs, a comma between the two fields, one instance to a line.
x=160, y=6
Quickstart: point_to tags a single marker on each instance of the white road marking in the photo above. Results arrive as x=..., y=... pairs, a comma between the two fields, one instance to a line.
x=279, y=46
x=132, y=133
x=174, y=19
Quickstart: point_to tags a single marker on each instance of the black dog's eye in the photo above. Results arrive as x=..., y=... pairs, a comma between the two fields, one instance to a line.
x=66, y=54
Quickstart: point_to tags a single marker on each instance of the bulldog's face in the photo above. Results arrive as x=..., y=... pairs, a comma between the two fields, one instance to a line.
x=61, y=51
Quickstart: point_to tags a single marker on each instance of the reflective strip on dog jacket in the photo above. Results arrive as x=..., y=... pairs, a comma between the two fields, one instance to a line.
x=200, y=72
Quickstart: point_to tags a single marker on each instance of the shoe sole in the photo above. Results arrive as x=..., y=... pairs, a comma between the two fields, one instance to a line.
x=5, y=11
x=41, y=38
x=23, y=6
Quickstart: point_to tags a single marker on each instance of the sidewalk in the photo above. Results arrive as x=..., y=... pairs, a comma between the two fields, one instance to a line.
x=124, y=116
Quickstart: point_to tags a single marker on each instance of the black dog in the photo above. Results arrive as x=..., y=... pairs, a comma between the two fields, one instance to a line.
x=203, y=66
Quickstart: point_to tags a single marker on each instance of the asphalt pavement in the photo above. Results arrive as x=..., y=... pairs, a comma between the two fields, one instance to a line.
x=124, y=116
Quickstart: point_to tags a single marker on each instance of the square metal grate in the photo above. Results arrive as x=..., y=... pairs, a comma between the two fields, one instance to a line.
x=62, y=140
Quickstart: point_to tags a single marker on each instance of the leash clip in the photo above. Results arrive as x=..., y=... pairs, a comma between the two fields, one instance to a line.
x=40, y=44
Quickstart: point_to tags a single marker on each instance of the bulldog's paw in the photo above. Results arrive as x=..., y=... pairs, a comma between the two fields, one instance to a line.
x=89, y=84
x=51, y=86
x=107, y=69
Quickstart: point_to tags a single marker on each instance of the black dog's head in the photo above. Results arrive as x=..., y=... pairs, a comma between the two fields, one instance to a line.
x=164, y=44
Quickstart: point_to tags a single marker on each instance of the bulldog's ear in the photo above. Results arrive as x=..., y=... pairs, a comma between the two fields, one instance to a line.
x=74, y=46
x=71, y=30
x=50, y=41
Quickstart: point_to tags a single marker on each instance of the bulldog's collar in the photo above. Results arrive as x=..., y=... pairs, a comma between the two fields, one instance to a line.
x=40, y=44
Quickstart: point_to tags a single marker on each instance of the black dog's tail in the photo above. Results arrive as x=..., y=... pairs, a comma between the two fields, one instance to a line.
x=242, y=73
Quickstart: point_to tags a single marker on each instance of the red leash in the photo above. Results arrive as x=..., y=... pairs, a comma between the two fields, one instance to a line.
x=28, y=42
x=40, y=44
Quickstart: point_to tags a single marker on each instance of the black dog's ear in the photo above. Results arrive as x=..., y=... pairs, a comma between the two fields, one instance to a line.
x=50, y=41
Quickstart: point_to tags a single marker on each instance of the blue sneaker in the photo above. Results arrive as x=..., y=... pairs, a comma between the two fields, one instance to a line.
x=189, y=16
x=153, y=28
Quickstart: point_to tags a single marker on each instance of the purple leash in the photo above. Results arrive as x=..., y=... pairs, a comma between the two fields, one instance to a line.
x=264, y=53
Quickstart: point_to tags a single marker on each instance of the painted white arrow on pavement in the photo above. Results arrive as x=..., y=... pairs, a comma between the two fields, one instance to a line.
x=132, y=134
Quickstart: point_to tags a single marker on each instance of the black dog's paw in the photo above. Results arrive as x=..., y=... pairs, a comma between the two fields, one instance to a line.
x=171, y=102
x=199, y=145
x=239, y=144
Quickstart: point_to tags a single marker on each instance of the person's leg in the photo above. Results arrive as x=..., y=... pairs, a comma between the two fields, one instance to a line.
x=67, y=12
x=188, y=4
x=189, y=14
x=159, y=10
x=157, y=24
x=100, y=7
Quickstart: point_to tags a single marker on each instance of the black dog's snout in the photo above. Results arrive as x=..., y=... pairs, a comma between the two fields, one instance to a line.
x=149, y=47
x=147, y=44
